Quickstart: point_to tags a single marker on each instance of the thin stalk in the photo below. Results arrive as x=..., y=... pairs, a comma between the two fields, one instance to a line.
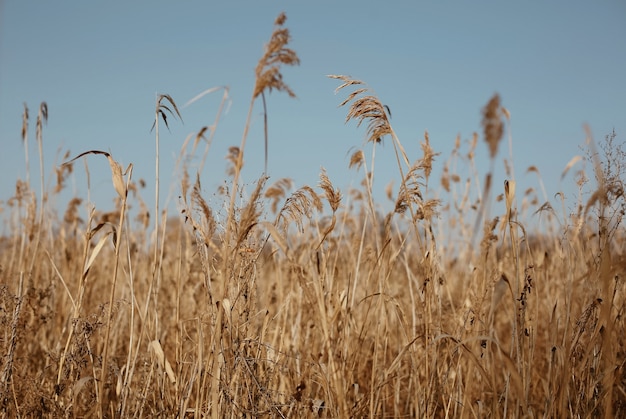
x=42, y=116
x=156, y=188
x=370, y=200
x=213, y=129
x=218, y=359
x=79, y=301
x=235, y=189
x=398, y=149
x=20, y=201
x=25, y=141
x=118, y=242
x=129, y=371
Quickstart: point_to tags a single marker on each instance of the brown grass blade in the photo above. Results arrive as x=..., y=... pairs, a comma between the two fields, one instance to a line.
x=569, y=165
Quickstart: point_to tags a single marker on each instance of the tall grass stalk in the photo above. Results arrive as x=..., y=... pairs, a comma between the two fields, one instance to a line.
x=42, y=117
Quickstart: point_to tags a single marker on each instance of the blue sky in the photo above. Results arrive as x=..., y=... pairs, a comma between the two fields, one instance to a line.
x=100, y=65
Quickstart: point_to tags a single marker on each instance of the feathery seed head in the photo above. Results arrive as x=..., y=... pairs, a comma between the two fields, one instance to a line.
x=492, y=124
x=366, y=108
x=268, y=75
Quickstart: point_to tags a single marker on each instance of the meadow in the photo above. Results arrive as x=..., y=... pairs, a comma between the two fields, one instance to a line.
x=312, y=301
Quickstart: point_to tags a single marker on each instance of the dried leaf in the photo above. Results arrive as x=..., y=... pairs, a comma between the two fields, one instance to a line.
x=571, y=163
x=157, y=350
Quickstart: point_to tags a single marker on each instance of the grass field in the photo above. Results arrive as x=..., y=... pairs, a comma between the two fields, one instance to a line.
x=316, y=302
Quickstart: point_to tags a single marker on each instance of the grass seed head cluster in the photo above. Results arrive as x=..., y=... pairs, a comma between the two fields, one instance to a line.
x=316, y=302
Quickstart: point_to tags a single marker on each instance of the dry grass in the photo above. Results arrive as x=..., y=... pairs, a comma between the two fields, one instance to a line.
x=313, y=302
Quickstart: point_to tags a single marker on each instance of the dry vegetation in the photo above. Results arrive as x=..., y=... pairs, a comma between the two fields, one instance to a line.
x=314, y=302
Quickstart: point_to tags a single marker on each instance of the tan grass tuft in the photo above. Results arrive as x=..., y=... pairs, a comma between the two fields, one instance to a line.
x=62, y=172
x=427, y=210
x=250, y=213
x=206, y=225
x=428, y=157
x=389, y=191
x=25, y=123
x=333, y=196
x=365, y=109
x=235, y=160
x=492, y=124
x=71, y=215
x=357, y=159
x=298, y=206
x=268, y=75
x=445, y=178
x=411, y=188
x=277, y=191
x=42, y=117
x=488, y=237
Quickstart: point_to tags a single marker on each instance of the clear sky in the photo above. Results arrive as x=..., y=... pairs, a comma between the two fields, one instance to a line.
x=100, y=65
